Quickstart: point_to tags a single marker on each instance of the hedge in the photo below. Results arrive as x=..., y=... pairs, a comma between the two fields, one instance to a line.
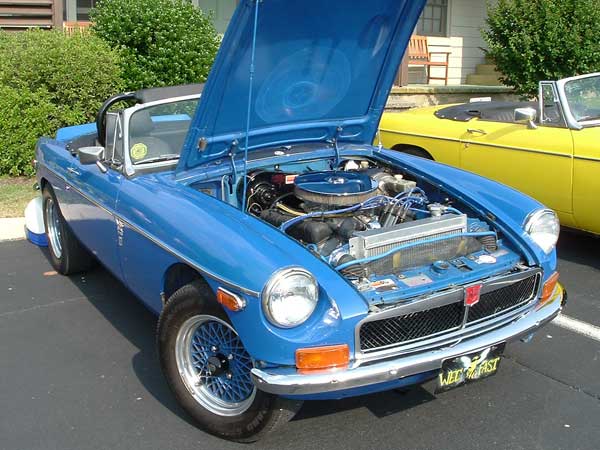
x=49, y=80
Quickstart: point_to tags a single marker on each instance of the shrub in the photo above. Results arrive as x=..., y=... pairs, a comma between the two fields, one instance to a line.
x=49, y=80
x=539, y=40
x=164, y=42
x=78, y=72
x=24, y=117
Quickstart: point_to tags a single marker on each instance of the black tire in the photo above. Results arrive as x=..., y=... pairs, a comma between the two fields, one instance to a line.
x=414, y=151
x=72, y=257
x=266, y=412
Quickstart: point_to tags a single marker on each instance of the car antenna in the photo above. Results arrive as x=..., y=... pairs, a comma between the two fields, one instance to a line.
x=249, y=111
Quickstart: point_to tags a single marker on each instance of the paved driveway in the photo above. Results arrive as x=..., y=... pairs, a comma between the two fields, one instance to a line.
x=78, y=370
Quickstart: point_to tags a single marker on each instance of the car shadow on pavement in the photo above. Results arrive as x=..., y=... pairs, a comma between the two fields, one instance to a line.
x=579, y=248
x=383, y=404
x=137, y=324
x=134, y=322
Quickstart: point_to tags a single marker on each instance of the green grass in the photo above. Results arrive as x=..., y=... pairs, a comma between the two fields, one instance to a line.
x=15, y=193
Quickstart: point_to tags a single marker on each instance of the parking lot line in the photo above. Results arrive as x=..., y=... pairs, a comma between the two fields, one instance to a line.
x=578, y=326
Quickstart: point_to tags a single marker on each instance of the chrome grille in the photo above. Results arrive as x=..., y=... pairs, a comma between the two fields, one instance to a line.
x=405, y=328
x=402, y=329
x=503, y=299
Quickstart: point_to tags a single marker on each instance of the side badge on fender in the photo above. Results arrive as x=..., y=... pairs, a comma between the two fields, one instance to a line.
x=120, y=231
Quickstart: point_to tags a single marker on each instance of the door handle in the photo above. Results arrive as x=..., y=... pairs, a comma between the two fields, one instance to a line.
x=476, y=131
x=73, y=170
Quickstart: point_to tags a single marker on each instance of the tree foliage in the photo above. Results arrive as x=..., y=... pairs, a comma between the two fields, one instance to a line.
x=164, y=42
x=534, y=40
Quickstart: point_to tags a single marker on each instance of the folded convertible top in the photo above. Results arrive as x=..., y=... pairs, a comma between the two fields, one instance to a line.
x=492, y=111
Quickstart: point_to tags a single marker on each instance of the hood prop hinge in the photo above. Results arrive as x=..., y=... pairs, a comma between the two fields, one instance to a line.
x=233, y=180
x=379, y=141
x=334, y=142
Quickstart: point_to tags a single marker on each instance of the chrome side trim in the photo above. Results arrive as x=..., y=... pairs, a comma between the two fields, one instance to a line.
x=427, y=136
x=484, y=144
x=587, y=158
x=519, y=149
x=162, y=245
x=286, y=381
x=441, y=299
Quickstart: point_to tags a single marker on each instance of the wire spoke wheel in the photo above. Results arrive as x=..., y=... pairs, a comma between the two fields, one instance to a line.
x=214, y=365
x=53, y=223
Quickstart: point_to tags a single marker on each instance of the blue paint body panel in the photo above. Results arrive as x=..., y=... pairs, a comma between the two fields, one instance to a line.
x=318, y=66
x=36, y=238
x=141, y=226
x=69, y=133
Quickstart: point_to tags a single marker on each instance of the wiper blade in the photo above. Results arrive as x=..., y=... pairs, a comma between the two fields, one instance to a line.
x=160, y=158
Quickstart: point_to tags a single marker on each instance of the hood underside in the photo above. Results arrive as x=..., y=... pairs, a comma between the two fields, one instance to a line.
x=321, y=70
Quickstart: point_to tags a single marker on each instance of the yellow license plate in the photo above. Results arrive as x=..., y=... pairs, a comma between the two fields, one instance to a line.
x=468, y=368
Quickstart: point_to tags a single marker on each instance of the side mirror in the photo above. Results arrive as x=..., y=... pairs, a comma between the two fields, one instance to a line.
x=92, y=155
x=526, y=116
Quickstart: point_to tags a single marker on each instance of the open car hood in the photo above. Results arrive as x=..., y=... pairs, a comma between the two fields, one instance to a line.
x=322, y=70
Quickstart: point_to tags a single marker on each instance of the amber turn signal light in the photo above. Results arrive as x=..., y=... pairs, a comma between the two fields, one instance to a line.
x=548, y=289
x=230, y=300
x=322, y=358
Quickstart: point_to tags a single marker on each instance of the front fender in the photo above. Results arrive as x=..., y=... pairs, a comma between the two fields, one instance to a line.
x=240, y=252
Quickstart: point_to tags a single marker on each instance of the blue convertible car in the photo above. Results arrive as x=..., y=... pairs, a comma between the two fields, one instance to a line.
x=289, y=259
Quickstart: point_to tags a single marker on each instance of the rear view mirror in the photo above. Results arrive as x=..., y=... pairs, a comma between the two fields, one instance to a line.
x=526, y=116
x=92, y=155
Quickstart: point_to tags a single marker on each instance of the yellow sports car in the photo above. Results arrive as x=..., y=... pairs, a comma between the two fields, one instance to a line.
x=549, y=149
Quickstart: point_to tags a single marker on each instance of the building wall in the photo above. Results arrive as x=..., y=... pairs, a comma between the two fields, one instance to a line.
x=466, y=18
x=222, y=11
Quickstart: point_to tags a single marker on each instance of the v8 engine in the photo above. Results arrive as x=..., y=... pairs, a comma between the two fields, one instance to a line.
x=363, y=219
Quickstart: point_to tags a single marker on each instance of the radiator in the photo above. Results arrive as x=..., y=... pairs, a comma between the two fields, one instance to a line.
x=369, y=243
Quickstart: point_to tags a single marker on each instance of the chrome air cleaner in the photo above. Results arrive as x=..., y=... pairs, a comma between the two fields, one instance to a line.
x=335, y=188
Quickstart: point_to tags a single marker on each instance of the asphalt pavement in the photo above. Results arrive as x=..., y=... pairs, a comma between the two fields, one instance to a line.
x=78, y=370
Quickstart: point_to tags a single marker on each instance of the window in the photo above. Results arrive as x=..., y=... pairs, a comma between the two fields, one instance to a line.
x=583, y=97
x=83, y=9
x=157, y=133
x=550, y=108
x=434, y=18
x=77, y=10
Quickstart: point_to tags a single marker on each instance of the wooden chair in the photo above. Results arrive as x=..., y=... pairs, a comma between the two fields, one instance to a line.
x=71, y=28
x=419, y=55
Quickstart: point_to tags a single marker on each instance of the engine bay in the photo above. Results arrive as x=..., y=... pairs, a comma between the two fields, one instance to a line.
x=388, y=232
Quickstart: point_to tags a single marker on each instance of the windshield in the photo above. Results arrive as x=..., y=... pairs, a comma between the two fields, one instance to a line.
x=156, y=133
x=583, y=97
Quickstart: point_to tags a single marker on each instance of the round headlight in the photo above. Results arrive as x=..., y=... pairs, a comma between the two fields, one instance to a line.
x=544, y=227
x=290, y=297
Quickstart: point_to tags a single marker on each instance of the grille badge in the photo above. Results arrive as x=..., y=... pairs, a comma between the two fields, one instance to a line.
x=472, y=294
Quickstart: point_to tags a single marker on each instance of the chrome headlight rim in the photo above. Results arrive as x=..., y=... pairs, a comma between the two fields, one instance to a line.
x=277, y=277
x=533, y=219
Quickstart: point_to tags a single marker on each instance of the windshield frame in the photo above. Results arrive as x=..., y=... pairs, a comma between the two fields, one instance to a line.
x=571, y=120
x=129, y=168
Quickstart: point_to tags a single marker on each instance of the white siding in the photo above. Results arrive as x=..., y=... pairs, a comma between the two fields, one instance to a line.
x=222, y=11
x=466, y=18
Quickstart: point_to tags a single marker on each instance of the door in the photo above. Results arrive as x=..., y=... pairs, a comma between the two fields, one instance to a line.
x=536, y=161
x=91, y=203
x=586, y=179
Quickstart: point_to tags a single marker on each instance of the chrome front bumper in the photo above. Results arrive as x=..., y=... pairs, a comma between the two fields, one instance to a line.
x=289, y=382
